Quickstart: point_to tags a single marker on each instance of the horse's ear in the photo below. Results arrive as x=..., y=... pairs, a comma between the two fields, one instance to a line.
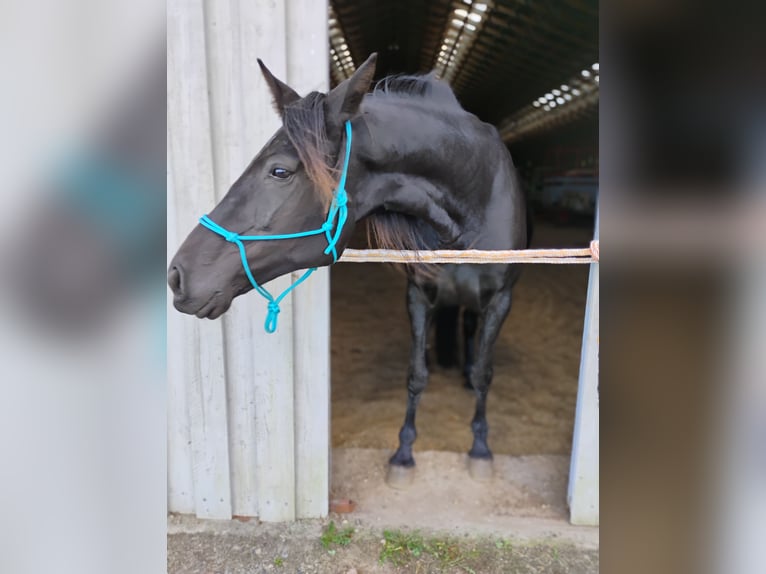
x=343, y=102
x=283, y=94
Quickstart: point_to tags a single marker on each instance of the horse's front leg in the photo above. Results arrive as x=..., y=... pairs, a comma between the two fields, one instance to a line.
x=470, y=322
x=480, y=457
x=401, y=465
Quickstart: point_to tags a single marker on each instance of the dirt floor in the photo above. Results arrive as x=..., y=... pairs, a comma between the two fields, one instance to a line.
x=209, y=547
x=531, y=404
x=525, y=499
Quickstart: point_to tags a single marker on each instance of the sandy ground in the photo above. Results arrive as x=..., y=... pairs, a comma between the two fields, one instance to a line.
x=525, y=499
x=531, y=404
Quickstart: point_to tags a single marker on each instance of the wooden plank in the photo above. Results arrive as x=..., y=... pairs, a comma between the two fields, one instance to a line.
x=583, y=491
x=307, y=70
x=208, y=419
x=231, y=156
x=179, y=473
x=312, y=397
x=263, y=35
x=307, y=46
x=192, y=171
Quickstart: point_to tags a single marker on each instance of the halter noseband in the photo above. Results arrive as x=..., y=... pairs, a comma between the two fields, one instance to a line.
x=337, y=210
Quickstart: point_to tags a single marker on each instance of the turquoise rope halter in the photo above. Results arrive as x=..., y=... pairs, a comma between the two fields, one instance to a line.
x=337, y=210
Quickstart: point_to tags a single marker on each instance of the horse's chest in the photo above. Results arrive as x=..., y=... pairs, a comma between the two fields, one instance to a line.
x=464, y=284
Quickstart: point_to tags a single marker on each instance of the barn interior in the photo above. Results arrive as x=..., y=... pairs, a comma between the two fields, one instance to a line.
x=529, y=67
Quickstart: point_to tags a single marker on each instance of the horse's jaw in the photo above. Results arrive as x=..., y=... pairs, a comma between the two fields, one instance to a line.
x=213, y=308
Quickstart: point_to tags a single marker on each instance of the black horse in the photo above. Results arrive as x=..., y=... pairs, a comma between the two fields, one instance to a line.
x=423, y=172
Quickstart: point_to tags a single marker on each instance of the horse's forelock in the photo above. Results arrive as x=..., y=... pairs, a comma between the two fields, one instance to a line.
x=304, y=122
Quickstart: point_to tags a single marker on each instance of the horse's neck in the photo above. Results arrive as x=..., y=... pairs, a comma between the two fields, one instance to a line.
x=414, y=167
x=419, y=165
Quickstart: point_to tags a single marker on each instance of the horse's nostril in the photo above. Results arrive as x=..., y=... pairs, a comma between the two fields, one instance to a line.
x=174, y=279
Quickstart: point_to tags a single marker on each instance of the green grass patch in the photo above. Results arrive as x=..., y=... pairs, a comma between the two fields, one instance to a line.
x=412, y=551
x=401, y=548
x=503, y=544
x=332, y=537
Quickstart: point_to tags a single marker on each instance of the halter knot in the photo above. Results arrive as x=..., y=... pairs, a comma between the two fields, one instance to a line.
x=230, y=236
x=342, y=198
x=272, y=317
x=327, y=226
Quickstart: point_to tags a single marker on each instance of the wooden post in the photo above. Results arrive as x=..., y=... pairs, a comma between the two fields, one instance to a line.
x=583, y=495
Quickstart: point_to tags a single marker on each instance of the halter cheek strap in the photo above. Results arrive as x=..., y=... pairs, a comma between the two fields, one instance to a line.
x=331, y=229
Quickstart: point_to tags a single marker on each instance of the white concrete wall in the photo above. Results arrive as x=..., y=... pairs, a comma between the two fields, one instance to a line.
x=248, y=416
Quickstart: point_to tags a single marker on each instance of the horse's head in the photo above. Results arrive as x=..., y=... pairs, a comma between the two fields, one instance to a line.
x=287, y=188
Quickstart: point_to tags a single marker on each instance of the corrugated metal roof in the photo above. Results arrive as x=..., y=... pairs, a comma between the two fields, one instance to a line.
x=499, y=55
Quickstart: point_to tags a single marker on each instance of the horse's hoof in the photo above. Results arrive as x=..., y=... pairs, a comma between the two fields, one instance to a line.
x=480, y=469
x=400, y=477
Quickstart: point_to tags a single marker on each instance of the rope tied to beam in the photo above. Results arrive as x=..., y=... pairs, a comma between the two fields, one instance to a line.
x=594, y=250
x=588, y=254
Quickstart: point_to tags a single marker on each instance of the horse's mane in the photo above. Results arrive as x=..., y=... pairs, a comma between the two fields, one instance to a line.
x=304, y=123
x=398, y=231
x=418, y=87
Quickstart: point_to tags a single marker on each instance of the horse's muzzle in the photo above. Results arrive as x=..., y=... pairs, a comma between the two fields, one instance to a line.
x=175, y=280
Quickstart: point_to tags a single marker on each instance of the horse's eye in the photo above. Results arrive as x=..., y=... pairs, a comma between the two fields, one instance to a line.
x=280, y=173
